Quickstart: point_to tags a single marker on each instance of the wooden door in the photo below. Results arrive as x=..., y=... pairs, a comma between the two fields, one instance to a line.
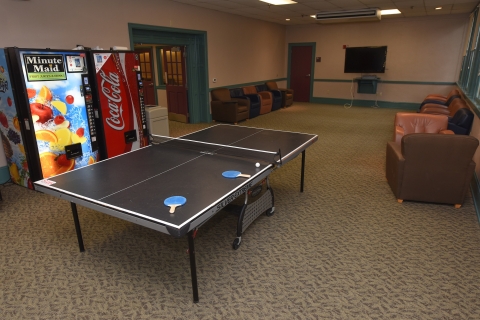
x=145, y=58
x=176, y=83
x=300, y=72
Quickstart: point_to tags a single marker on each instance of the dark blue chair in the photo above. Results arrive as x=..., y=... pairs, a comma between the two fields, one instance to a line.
x=253, y=99
x=461, y=122
x=276, y=96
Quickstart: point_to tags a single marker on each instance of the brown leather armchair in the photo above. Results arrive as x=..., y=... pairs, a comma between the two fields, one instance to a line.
x=407, y=122
x=431, y=167
x=445, y=100
x=265, y=97
x=448, y=110
x=287, y=94
x=227, y=109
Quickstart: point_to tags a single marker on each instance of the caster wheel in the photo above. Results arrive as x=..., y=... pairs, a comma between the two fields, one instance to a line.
x=236, y=244
x=270, y=212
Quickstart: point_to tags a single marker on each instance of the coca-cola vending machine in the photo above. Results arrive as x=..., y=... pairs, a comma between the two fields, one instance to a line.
x=120, y=109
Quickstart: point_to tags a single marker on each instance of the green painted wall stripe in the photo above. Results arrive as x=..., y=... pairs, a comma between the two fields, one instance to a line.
x=368, y=103
x=393, y=82
x=239, y=85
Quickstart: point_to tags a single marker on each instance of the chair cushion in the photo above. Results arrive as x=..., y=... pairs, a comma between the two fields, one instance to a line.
x=249, y=90
x=221, y=94
x=421, y=122
x=272, y=85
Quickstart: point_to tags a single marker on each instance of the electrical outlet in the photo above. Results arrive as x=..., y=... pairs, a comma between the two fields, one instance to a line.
x=380, y=93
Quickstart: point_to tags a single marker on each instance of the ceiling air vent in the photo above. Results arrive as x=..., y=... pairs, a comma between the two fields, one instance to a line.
x=349, y=16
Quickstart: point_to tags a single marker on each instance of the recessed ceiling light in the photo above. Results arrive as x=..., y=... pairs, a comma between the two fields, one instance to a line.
x=287, y=19
x=313, y=16
x=438, y=8
x=390, y=11
x=279, y=2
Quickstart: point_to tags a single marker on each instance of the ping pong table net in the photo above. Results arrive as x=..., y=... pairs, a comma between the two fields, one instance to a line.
x=207, y=148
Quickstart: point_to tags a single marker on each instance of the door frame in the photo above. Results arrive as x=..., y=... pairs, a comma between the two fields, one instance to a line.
x=312, y=69
x=197, y=61
x=152, y=68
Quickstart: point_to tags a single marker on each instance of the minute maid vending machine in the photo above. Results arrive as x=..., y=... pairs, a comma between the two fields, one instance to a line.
x=54, y=111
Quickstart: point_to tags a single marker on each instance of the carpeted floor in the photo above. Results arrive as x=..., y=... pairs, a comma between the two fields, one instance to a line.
x=343, y=249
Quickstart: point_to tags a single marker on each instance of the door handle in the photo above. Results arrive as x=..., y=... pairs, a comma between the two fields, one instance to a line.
x=151, y=84
x=308, y=75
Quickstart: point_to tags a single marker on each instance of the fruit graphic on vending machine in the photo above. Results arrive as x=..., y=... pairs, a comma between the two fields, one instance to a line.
x=53, y=164
x=43, y=112
x=3, y=119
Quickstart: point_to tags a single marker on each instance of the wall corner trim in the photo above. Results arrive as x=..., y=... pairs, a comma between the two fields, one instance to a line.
x=475, y=188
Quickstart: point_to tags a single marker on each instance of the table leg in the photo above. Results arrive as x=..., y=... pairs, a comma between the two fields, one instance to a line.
x=193, y=266
x=303, y=171
x=77, y=226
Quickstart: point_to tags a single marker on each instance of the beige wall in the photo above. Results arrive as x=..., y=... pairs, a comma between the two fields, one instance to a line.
x=425, y=49
x=239, y=49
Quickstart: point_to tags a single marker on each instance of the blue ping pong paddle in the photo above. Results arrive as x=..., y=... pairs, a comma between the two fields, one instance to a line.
x=232, y=174
x=174, y=202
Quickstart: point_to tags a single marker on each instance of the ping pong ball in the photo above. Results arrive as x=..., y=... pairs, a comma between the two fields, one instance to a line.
x=257, y=164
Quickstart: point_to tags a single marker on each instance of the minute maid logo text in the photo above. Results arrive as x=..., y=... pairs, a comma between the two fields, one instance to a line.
x=44, y=67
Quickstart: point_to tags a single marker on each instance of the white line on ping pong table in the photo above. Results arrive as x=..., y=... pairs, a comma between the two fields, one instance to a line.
x=223, y=145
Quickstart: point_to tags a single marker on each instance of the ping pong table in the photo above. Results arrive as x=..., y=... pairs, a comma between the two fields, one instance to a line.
x=133, y=186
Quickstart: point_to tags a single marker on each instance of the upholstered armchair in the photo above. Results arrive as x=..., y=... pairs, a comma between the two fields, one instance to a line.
x=266, y=99
x=287, y=94
x=276, y=96
x=449, y=110
x=226, y=109
x=253, y=100
x=431, y=167
x=443, y=100
x=406, y=123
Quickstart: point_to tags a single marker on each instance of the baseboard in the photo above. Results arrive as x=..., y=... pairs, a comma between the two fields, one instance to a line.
x=4, y=174
x=475, y=188
x=368, y=103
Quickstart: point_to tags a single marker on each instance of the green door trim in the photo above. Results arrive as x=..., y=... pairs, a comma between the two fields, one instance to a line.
x=197, y=62
x=312, y=69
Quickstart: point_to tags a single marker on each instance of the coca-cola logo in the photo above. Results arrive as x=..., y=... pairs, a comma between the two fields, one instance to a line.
x=110, y=85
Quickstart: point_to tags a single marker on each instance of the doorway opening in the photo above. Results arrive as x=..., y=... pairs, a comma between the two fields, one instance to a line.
x=301, y=61
x=179, y=70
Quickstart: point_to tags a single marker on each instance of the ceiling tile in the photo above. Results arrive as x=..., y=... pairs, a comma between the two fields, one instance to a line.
x=438, y=3
x=445, y=9
x=466, y=6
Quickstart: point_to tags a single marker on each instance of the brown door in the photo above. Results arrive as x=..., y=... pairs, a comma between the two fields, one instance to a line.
x=300, y=69
x=146, y=67
x=176, y=83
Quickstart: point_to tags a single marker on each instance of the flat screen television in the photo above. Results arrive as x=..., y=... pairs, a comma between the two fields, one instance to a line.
x=365, y=59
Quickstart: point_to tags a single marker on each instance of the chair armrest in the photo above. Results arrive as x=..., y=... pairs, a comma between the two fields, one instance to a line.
x=253, y=97
x=435, y=109
x=395, y=164
x=286, y=90
x=399, y=133
x=223, y=110
x=435, y=96
x=265, y=95
x=446, y=132
x=276, y=93
x=242, y=101
x=434, y=101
